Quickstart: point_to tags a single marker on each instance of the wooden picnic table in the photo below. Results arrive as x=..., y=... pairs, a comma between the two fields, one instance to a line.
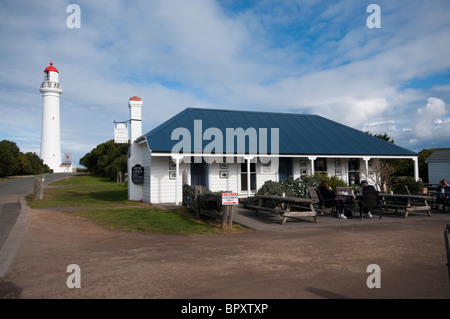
x=439, y=198
x=410, y=205
x=285, y=205
x=349, y=199
x=393, y=201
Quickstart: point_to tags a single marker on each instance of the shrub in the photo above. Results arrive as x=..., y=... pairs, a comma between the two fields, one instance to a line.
x=335, y=181
x=298, y=187
x=413, y=185
x=314, y=180
x=271, y=188
x=295, y=187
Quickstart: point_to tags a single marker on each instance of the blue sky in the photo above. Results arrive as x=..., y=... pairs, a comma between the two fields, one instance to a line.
x=315, y=57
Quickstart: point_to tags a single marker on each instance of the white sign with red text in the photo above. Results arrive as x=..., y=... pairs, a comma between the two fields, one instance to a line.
x=230, y=198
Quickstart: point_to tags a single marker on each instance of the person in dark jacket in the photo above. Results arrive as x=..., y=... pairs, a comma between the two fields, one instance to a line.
x=443, y=185
x=364, y=187
x=443, y=195
x=330, y=199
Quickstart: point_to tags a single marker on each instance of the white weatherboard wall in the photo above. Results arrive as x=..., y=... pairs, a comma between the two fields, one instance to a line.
x=233, y=182
x=162, y=186
x=223, y=184
x=159, y=185
x=147, y=164
x=138, y=153
x=438, y=170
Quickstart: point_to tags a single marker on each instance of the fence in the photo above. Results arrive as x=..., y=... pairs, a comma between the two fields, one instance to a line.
x=207, y=204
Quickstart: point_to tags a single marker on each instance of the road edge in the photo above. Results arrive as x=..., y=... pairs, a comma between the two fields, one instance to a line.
x=12, y=243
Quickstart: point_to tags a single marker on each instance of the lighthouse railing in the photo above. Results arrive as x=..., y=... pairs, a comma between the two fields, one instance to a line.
x=50, y=85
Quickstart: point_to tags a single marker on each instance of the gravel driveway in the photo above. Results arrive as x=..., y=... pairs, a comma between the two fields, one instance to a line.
x=311, y=262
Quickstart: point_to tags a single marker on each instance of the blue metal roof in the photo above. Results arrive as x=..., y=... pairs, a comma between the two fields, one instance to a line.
x=299, y=134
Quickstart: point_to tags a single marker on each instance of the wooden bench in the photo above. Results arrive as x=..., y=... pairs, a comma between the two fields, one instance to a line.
x=267, y=209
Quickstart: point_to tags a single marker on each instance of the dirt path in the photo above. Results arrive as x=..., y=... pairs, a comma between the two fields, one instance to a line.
x=325, y=262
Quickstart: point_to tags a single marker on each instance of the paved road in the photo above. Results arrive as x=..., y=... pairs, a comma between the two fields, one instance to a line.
x=13, y=214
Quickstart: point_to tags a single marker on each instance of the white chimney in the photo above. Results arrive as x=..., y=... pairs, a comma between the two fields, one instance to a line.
x=135, y=105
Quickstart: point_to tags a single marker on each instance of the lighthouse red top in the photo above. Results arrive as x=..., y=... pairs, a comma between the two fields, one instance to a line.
x=51, y=68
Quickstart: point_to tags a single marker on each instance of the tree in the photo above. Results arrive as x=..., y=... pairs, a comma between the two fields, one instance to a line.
x=12, y=146
x=24, y=167
x=107, y=159
x=14, y=162
x=423, y=166
x=37, y=164
x=118, y=165
x=8, y=162
x=383, y=174
x=399, y=167
x=384, y=137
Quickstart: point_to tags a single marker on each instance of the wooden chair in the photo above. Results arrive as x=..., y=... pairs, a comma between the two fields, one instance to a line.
x=407, y=189
x=370, y=201
x=313, y=195
x=317, y=198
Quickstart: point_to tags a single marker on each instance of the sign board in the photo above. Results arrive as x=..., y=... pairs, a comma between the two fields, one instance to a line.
x=68, y=157
x=120, y=133
x=137, y=174
x=230, y=199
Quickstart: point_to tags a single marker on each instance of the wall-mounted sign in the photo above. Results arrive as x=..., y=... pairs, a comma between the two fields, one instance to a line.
x=120, y=133
x=137, y=174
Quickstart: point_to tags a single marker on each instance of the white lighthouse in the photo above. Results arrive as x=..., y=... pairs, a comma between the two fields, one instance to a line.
x=50, y=138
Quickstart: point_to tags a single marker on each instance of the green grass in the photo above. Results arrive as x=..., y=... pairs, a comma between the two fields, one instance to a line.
x=105, y=203
x=84, y=180
x=83, y=191
x=148, y=219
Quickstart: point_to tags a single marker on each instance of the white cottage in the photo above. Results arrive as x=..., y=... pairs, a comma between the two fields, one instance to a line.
x=239, y=151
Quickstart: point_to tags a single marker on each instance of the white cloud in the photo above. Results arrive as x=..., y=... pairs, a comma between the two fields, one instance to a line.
x=304, y=56
x=432, y=121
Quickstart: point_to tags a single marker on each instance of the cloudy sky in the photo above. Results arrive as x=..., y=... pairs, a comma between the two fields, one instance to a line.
x=300, y=56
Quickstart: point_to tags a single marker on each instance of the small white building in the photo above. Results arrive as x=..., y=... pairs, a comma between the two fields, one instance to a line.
x=239, y=151
x=438, y=165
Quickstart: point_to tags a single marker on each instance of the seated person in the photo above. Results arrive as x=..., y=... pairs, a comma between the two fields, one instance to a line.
x=364, y=187
x=330, y=199
x=444, y=197
x=443, y=185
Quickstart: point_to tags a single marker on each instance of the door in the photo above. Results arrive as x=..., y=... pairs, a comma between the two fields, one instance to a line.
x=199, y=173
x=353, y=171
x=285, y=168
